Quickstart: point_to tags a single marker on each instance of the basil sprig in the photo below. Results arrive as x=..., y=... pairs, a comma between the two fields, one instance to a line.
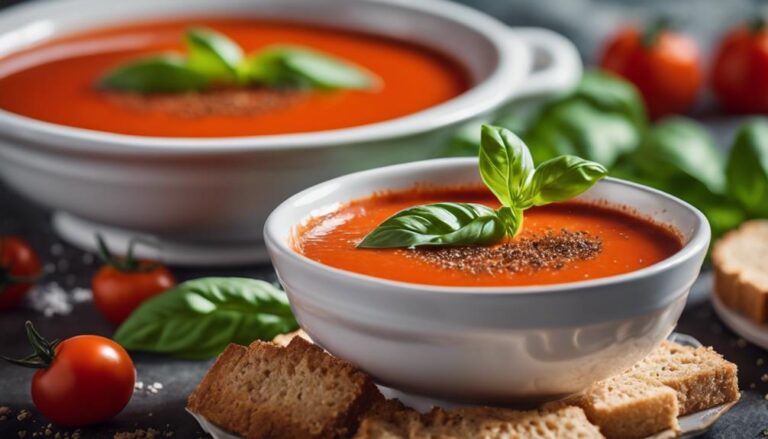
x=507, y=169
x=214, y=59
x=198, y=318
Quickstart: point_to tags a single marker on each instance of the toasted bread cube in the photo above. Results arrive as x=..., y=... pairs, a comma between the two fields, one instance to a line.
x=269, y=391
x=700, y=376
x=630, y=406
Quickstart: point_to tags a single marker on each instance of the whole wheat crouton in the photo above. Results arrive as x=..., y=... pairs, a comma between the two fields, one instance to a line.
x=269, y=391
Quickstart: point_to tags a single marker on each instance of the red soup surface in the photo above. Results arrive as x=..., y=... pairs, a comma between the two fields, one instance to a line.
x=562, y=242
x=54, y=82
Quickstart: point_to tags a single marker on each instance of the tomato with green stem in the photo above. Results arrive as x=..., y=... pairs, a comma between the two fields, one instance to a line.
x=663, y=64
x=122, y=284
x=740, y=69
x=19, y=270
x=79, y=381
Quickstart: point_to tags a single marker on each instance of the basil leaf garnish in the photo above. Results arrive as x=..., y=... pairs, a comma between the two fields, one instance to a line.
x=747, y=168
x=512, y=219
x=213, y=58
x=212, y=54
x=299, y=66
x=198, y=318
x=506, y=168
x=564, y=177
x=438, y=224
x=506, y=165
x=156, y=74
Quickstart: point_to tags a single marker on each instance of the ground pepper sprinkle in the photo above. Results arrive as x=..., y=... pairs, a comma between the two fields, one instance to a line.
x=220, y=102
x=551, y=251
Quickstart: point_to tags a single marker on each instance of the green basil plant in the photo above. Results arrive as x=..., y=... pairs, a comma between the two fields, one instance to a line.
x=214, y=59
x=507, y=169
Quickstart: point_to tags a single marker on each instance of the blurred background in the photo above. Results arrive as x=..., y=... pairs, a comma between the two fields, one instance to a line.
x=588, y=22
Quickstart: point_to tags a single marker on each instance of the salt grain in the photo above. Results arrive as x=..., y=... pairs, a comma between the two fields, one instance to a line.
x=80, y=295
x=51, y=299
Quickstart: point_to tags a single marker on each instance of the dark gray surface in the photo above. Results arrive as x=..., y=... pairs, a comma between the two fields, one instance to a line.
x=584, y=21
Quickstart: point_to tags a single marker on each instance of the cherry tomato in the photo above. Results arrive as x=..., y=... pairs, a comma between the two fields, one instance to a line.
x=663, y=65
x=19, y=266
x=122, y=284
x=82, y=380
x=740, y=70
x=117, y=293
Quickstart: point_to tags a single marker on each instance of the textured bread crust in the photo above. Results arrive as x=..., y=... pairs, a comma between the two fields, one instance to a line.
x=700, y=376
x=630, y=406
x=389, y=419
x=208, y=389
x=479, y=422
x=298, y=391
x=740, y=261
x=285, y=339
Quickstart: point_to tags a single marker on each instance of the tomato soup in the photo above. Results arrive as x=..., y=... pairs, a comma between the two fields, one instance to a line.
x=54, y=82
x=562, y=242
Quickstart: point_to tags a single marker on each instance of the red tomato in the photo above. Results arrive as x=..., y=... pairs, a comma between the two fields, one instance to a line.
x=740, y=70
x=117, y=293
x=121, y=285
x=19, y=265
x=663, y=65
x=82, y=380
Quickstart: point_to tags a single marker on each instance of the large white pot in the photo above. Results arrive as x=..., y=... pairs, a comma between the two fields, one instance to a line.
x=485, y=344
x=207, y=199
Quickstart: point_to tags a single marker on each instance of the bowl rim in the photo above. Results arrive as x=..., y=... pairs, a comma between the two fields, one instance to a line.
x=513, y=63
x=696, y=245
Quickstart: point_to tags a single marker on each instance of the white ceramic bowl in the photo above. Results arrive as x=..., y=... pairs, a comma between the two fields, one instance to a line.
x=485, y=344
x=207, y=199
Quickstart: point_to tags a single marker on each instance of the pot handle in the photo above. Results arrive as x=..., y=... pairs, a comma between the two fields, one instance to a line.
x=556, y=63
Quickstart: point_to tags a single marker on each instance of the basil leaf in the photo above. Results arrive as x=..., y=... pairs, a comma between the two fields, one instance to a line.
x=680, y=146
x=610, y=93
x=747, y=168
x=212, y=54
x=298, y=66
x=506, y=165
x=438, y=224
x=563, y=178
x=157, y=74
x=601, y=120
x=198, y=318
x=512, y=219
x=576, y=127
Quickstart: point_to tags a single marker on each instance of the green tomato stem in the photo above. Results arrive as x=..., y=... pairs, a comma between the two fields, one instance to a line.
x=652, y=33
x=44, y=351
